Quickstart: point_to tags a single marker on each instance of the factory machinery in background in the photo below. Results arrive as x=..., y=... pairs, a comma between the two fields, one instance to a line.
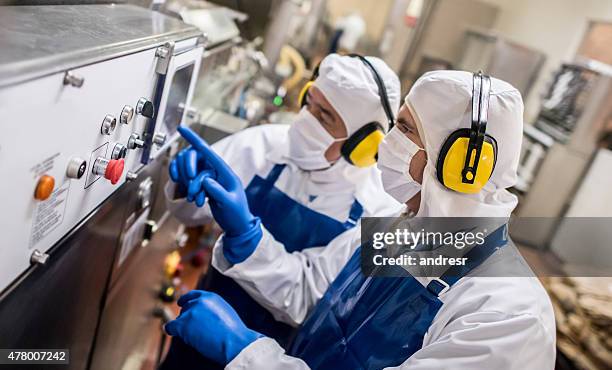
x=90, y=121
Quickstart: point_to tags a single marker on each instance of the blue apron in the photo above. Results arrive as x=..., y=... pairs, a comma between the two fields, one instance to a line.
x=295, y=226
x=376, y=322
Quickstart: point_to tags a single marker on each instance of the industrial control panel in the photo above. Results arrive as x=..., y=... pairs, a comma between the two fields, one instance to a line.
x=77, y=124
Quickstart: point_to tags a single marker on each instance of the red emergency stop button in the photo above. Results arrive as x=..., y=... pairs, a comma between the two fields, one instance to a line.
x=114, y=170
x=44, y=188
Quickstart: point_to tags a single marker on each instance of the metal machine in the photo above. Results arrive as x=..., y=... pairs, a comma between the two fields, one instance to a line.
x=90, y=100
x=560, y=148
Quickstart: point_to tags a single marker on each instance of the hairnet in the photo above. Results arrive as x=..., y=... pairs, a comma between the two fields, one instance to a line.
x=349, y=86
x=440, y=102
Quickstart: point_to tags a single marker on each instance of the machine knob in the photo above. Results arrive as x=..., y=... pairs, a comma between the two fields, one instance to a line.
x=159, y=139
x=76, y=168
x=38, y=257
x=131, y=176
x=108, y=125
x=119, y=151
x=110, y=169
x=73, y=80
x=127, y=113
x=145, y=108
x=135, y=142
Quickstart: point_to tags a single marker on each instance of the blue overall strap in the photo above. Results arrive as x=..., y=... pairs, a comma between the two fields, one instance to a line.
x=355, y=213
x=475, y=257
x=275, y=172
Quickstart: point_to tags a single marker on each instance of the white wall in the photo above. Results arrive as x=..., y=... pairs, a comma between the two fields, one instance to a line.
x=555, y=27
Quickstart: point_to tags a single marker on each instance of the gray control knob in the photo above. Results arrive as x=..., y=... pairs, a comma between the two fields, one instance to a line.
x=76, y=168
x=159, y=138
x=38, y=257
x=73, y=80
x=108, y=125
x=145, y=108
x=99, y=167
x=135, y=142
x=127, y=113
x=131, y=176
x=119, y=151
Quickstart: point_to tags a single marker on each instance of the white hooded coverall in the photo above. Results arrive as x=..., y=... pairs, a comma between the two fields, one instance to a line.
x=485, y=322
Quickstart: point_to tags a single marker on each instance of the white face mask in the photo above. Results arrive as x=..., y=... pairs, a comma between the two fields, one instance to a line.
x=308, y=142
x=394, y=156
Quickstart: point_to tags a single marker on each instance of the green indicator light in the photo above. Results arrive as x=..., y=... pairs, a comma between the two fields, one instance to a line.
x=278, y=101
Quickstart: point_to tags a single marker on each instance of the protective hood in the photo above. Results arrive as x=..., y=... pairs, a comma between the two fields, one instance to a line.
x=348, y=84
x=440, y=102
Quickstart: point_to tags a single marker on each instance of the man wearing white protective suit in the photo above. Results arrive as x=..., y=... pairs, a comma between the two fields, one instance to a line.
x=307, y=182
x=475, y=319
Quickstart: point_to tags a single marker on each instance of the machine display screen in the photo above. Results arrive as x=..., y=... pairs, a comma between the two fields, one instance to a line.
x=177, y=97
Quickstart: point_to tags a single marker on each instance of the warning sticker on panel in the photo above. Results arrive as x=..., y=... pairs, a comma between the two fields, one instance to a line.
x=49, y=214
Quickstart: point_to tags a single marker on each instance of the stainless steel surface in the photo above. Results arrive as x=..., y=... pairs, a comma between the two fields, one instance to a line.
x=39, y=257
x=100, y=166
x=128, y=327
x=127, y=113
x=73, y=80
x=159, y=139
x=108, y=125
x=216, y=22
x=164, y=54
x=76, y=168
x=135, y=142
x=41, y=40
x=144, y=192
x=119, y=151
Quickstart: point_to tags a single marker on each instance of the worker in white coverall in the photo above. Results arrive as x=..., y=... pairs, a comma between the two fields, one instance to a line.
x=480, y=319
x=296, y=179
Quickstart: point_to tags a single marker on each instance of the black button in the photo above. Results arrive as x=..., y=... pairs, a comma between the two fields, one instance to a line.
x=82, y=169
x=148, y=110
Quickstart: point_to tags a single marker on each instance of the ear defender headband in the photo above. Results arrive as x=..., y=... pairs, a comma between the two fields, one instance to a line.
x=468, y=156
x=361, y=148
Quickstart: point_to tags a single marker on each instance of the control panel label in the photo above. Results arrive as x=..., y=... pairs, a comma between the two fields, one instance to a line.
x=44, y=166
x=49, y=214
x=133, y=236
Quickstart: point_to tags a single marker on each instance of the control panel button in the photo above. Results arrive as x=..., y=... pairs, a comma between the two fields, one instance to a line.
x=145, y=108
x=110, y=169
x=159, y=138
x=126, y=114
x=76, y=168
x=108, y=125
x=73, y=80
x=44, y=188
x=131, y=176
x=135, y=142
x=119, y=151
x=38, y=257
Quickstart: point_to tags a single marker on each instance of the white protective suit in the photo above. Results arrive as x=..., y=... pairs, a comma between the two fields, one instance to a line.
x=485, y=322
x=350, y=88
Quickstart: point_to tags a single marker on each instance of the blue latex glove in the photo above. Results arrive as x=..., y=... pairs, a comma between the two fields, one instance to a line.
x=228, y=202
x=211, y=326
x=183, y=169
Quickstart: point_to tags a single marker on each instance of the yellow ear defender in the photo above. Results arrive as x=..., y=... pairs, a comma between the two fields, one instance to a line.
x=361, y=148
x=304, y=92
x=468, y=156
